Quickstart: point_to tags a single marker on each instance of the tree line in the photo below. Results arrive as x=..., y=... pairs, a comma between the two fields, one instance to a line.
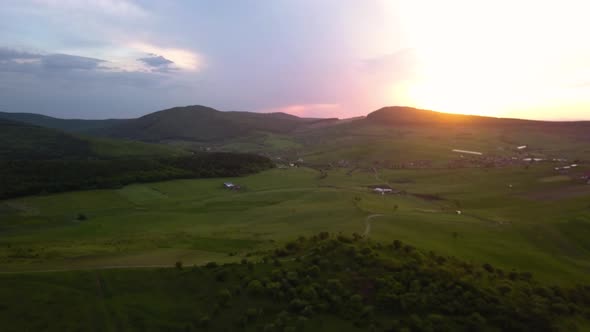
x=30, y=177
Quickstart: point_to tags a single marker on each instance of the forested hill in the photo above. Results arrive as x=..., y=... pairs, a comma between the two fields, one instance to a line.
x=200, y=123
x=22, y=141
x=35, y=160
x=25, y=141
x=67, y=125
x=321, y=283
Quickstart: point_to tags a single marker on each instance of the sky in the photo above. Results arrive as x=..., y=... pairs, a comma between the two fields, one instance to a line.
x=95, y=59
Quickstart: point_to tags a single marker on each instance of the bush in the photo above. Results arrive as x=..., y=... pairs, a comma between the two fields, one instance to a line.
x=224, y=296
x=255, y=287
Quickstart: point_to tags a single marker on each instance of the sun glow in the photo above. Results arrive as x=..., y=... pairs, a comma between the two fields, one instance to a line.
x=497, y=58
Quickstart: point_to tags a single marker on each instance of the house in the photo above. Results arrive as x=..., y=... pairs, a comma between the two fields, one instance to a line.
x=382, y=191
x=231, y=186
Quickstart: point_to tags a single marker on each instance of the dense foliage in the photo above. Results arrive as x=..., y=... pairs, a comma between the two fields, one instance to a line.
x=26, y=177
x=398, y=288
x=317, y=284
x=24, y=141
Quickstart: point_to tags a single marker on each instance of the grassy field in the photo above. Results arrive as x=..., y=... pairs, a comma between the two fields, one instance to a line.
x=537, y=225
x=312, y=284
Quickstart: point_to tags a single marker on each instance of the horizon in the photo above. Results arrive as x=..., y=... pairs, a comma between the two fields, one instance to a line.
x=319, y=118
x=100, y=59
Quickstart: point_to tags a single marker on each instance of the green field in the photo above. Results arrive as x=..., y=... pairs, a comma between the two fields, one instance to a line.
x=537, y=225
x=488, y=240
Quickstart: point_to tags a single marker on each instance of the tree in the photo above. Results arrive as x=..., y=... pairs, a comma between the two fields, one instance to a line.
x=224, y=296
x=204, y=321
x=255, y=287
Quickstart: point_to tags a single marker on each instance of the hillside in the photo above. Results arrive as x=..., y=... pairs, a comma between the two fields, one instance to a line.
x=315, y=284
x=37, y=160
x=200, y=123
x=67, y=125
x=30, y=142
x=401, y=115
x=25, y=141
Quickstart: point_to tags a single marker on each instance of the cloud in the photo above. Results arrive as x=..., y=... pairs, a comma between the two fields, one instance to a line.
x=12, y=54
x=69, y=62
x=77, y=70
x=109, y=7
x=158, y=63
x=183, y=59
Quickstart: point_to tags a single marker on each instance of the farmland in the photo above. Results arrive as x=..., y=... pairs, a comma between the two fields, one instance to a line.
x=197, y=221
x=466, y=211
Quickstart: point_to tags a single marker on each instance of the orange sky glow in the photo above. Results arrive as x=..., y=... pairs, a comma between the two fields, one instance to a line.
x=525, y=59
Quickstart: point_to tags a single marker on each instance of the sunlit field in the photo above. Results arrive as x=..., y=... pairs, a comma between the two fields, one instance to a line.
x=536, y=225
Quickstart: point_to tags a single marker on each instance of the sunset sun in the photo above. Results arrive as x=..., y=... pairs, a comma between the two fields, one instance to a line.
x=485, y=59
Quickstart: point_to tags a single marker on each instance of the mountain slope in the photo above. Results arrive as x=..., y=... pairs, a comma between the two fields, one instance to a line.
x=68, y=125
x=398, y=115
x=25, y=141
x=414, y=116
x=200, y=123
x=29, y=142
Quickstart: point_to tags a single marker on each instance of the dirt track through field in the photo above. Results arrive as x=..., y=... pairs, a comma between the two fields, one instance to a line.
x=377, y=177
x=368, y=223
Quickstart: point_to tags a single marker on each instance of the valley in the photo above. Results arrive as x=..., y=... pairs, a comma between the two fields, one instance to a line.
x=513, y=196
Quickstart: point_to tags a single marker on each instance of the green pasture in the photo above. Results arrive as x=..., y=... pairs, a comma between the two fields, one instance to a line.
x=510, y=218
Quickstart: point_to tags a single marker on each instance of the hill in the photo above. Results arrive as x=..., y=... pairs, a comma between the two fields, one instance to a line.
x=399, y=115
x=315, y=284
x=68, y=125
x=200, y=123
x=402, y=115
x=22, y=141
x=37, y=160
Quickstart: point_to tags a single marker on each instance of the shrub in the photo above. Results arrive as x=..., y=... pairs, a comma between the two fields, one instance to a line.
x=211, y=265
x=255, y=287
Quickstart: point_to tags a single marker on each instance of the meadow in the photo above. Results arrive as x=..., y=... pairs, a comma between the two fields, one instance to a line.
x=514, y=218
